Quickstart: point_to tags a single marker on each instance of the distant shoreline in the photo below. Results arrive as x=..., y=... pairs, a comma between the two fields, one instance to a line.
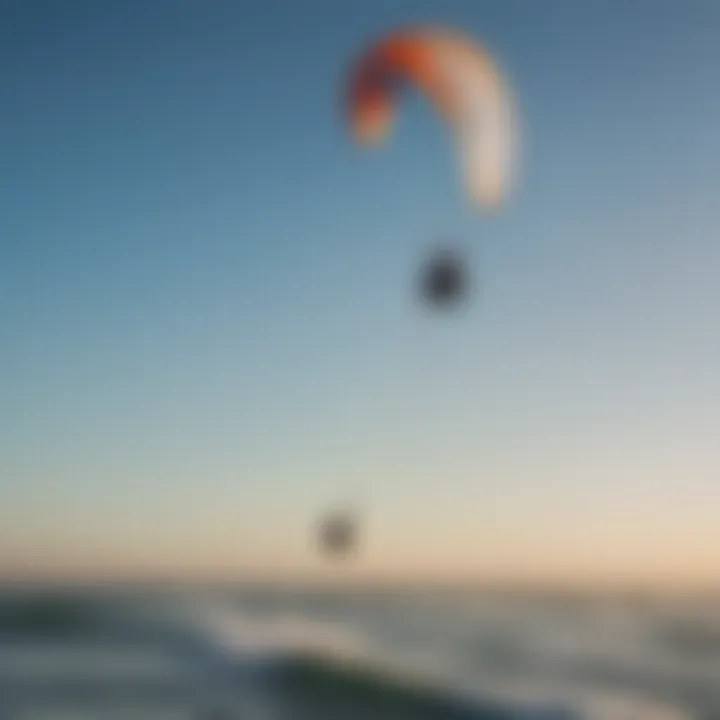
x=557, y=590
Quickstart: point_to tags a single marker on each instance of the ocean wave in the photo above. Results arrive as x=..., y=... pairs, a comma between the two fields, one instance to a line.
x=308, y=668
x=384, y=663
x=43, y=615
x=325, y=688
x=341, y=673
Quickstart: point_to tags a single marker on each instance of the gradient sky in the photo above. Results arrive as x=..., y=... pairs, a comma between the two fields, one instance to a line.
x=207, y=327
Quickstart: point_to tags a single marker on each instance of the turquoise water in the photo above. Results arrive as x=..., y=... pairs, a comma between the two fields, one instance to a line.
x=281, y=655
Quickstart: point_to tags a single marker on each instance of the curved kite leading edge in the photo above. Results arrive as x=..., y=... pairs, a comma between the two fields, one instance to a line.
x=463, y=83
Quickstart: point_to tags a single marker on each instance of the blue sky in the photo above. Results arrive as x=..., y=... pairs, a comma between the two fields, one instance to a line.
x=207, y=328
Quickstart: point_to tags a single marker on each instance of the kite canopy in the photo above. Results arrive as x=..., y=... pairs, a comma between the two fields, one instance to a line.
x=464, y=85
x=338, y=534
x=444, y=280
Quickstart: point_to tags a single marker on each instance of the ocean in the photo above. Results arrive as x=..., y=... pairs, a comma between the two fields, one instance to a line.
x=279, y=654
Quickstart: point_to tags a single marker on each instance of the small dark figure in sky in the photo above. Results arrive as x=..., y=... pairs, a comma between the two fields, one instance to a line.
x=338, y=534
x=444, y=280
